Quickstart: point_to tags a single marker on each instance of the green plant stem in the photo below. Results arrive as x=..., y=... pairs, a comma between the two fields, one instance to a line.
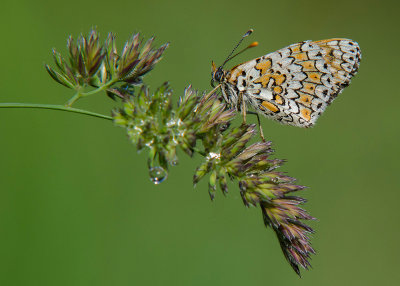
x=73, y=99
x=79, y=94
x=103, y=87
x=54, y=107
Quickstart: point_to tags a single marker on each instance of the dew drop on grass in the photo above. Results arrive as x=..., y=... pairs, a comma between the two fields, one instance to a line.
x=157, y=174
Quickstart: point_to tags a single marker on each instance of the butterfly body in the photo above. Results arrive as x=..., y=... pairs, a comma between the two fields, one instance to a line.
x=293, y=85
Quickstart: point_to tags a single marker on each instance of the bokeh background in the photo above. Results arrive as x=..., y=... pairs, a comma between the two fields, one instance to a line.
x=76, y=204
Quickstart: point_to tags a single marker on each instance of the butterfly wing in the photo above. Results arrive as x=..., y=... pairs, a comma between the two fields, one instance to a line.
x=294, y=85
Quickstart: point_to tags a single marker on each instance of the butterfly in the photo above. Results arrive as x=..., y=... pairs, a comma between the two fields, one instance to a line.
x=293, y=85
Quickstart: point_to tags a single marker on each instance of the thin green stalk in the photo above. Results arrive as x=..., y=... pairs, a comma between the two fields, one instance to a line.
x=54, y=107
x=73, y=99
x=100, y=88
x=80, y=94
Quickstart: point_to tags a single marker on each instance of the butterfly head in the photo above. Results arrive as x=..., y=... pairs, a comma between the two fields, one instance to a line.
x=217, y=74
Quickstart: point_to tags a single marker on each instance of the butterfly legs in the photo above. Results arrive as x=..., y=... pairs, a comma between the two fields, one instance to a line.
x=242, y=104
x=259, y=124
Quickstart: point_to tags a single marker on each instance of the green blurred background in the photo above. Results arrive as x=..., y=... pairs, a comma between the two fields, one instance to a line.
x=76, y=204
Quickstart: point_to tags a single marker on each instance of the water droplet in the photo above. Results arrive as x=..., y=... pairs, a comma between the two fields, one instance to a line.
x=128, y=88
x=224, y=126
x=157, y=174
x=275, y=180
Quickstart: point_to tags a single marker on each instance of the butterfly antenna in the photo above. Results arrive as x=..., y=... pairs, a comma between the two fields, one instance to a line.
x=254, y=44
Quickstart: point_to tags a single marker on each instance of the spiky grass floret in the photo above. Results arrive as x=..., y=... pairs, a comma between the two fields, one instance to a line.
x=151, y=122
x=93, y=64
